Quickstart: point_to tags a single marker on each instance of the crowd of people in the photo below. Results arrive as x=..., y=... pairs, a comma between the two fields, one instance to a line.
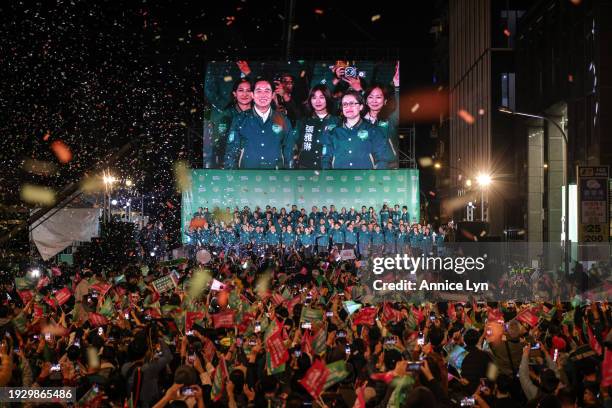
x=343, y=124
x=389, y=230
x=247, y=331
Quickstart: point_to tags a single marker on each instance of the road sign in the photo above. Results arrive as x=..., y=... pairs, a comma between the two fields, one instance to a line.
x=593, y=203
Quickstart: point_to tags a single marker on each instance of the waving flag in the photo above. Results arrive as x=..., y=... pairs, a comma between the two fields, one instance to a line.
x=96, y=319
x=315, y=379
x=275, y=347
x=337, y=372
x=224, y=319
x=191, y=318
x=365, y=316
x=219, y=377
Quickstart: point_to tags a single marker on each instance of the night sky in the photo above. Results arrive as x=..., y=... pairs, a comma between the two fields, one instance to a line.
x=80, y=79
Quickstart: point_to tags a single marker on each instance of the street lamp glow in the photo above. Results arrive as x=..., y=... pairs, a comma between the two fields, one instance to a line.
x=483, y=179
x=468, y=183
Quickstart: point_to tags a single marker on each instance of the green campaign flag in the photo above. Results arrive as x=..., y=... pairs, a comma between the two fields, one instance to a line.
x=107, y=308
x=351, y=306
x=20, y=322
x=318, y=342
x=311, y=315
x=337, y=373
x=277, y=370
x=23, y=283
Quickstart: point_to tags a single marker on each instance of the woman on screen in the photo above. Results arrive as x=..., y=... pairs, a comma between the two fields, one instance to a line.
x=308, y=143
x=356, y=144
x=242, y=99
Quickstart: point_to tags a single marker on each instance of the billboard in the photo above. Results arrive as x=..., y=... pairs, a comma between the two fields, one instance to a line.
x=301, y=115
x=305, y=188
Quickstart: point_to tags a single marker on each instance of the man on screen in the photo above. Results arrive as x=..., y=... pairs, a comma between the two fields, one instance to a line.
x=259, y=138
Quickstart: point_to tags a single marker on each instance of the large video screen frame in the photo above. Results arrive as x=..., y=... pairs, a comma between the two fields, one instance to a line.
x=301, y=115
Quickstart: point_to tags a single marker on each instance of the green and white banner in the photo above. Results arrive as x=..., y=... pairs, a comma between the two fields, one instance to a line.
x=304, y=188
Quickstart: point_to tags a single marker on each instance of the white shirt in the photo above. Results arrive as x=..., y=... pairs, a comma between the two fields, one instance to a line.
x=263, y=115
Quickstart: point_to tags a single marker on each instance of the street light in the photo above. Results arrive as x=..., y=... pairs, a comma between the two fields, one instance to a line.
x=508, y=111
x=484, y=180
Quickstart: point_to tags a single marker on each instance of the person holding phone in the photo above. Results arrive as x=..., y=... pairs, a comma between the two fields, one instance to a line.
x=356, y=144
x=307, y=137
x=192, y=395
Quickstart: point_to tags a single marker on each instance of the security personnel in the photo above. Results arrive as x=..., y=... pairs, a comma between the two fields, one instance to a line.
x=259, y=138
x=356, y=144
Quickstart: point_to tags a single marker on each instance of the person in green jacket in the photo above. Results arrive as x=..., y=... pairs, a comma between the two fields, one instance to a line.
x=307, y=138
x=221, y=122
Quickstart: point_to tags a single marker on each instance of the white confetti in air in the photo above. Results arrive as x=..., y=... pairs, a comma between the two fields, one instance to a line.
x=376, y=17
x=228, y=78
x=415, y=107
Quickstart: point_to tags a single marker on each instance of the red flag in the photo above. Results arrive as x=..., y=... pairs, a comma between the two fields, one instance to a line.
x=154, y=313
x=247, y=318
x=390, y=314
x=365, y=316
x=191, y=318
x=278, y=353
x=25, y=295
x=62, y=296
x=606, y=369
x=42, y=282
x=360, y=401
x=452, y=313
x=224, y=319
x=386, y=377
x=96, y=319
x=38, y=311
x=418, y=313
x=277, y=299
x=306, y=345
x=528, y=317
x=209, y=349
x=101, y=288
x=593, y=341
x=315, y=379
x=495, y=315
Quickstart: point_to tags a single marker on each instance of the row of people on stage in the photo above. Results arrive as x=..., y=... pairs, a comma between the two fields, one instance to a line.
x=317, y=232
x=254, y=132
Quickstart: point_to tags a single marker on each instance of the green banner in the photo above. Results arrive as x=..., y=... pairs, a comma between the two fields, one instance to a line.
x=304, y=188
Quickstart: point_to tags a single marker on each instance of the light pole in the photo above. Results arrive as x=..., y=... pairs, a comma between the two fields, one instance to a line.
x=508, y=111
x=483, y=180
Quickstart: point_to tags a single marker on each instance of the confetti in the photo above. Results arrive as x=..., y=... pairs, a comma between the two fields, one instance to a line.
x=376, y=17
x=228, y=78
x=415, y=108
x=481, y=111
x=295, y=27
x=182, y=176
x=319, y=11
x=62, y=151
x=466, y=116
x=42, y=168
x=37, y=195
x=507, y=32
x=425, y=162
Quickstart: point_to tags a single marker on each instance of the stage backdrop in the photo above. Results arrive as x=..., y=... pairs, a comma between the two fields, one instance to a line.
x=305, y=188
